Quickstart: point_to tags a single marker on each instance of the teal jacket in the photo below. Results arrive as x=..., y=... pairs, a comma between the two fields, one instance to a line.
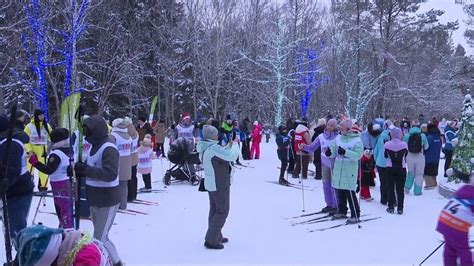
x=379, y=149
x=216, y=162
x=346, y=168
x=417, y=130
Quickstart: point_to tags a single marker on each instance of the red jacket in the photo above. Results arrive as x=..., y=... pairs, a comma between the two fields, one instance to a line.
x=257, y=134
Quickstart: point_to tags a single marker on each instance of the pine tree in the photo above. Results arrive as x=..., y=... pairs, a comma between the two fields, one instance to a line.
x=463, y=158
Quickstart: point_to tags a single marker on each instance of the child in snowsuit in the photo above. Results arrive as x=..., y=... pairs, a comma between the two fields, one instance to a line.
x=396, y=152
x=283, y=143
x=367, y=165
x=40, y=245
x=454, y=223
x=145, y=158
x=57, y=169
x=325, y=141
x=256, y=139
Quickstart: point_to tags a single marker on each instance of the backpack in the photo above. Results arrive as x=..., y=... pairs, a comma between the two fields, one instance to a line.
x=415, y=144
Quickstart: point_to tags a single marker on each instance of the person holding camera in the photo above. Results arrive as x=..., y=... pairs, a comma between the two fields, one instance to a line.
x=216, y=161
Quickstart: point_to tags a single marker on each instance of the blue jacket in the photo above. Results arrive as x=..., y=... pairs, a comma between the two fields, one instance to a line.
x=379, y=149
x=435, y=144
x=449, y=134
x=283, y=143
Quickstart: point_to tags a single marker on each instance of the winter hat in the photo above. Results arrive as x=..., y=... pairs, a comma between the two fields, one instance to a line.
x=281, y=128
x=255, y=123
x=388, y=124
x=121, y=123
x=377, y=124
x=19, y=114
x=424, y=127
x=88, y=255
x=209, y=132
x=185, y=115
x=347, y=123
x=4, y=123
x=396, y=133
x=146, y=141
x=59, y=134
x=332, y=122
x=321, y=122
x=38, y=112
x=38, y=245
x=415, y=123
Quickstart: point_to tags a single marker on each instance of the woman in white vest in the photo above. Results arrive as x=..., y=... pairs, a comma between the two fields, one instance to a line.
x=56, y=168
x=132, y=183
x=102, y=182
x=124, y=146
x=38, y=131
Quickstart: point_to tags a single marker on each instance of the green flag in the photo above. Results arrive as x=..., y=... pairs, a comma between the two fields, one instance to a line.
x=68, y=109
x=152, y=109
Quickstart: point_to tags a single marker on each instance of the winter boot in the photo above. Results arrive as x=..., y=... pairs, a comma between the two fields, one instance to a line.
x=326, y=209
x=352, y=220
x=283, y=182
x=213, y=246
x=339, y=216
x=400, y=211
x=332, y=211
x=390, y=210
x=224, y=240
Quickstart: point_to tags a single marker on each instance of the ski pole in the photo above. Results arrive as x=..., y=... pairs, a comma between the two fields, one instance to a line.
x=37, y=209
x=302, y=184
x=434, y=251
x=353, y=206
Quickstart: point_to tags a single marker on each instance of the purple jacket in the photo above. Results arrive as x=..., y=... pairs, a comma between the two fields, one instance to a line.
x=465, y=193
x=310, y=148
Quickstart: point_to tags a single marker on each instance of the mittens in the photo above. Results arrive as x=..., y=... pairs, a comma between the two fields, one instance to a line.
x=341, y=151
x=33, y=160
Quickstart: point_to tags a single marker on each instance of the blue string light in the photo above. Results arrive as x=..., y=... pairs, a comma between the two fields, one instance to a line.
x=311, y=80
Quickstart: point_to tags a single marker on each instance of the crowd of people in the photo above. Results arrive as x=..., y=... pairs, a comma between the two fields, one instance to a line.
x=403, y=154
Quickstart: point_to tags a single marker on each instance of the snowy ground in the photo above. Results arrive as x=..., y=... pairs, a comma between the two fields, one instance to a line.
x=173, y=232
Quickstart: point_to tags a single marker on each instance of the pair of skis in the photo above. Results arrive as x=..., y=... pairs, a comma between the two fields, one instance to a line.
x=291, y=185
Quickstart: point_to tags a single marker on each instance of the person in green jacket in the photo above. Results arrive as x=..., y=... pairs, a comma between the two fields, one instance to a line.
x=216, y=161
x=347, y=151
x=417, y=144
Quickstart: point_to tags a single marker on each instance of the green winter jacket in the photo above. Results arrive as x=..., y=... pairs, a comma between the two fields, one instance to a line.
x=216, y=162
x=346, y=168
x=417, y=130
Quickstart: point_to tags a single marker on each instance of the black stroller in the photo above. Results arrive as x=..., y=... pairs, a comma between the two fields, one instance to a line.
x=182, y=155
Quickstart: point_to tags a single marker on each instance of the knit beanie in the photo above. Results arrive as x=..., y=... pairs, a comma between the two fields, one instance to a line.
x=146, y=141
x=347, y=123
x=332, y=122
x=209, y=132
x=38, y=245
x=396, y=133
x=59, y=134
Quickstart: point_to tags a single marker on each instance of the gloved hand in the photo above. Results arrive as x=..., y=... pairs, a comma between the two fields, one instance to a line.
x=80, y=169
x=341, y=151
x=328, y=152
x=69, y=171
x=33, y=159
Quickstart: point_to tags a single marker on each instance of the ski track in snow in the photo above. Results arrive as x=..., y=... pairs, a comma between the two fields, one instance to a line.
x=173, y=232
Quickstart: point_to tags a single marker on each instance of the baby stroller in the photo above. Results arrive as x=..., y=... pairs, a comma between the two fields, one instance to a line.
x=182, y=155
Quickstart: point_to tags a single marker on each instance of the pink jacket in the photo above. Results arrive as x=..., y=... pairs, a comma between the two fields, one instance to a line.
x=257, y=134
